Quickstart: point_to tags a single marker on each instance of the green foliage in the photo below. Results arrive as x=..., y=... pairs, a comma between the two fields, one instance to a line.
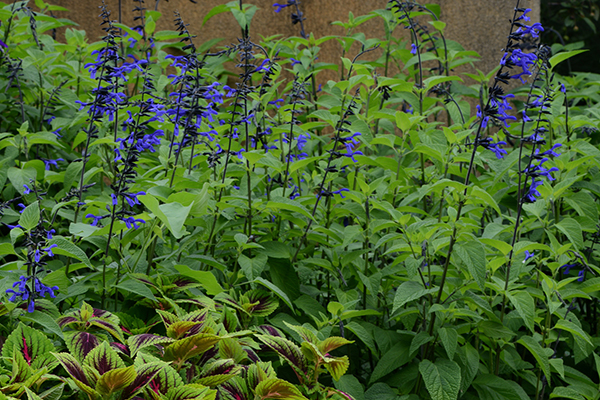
x=288, y=237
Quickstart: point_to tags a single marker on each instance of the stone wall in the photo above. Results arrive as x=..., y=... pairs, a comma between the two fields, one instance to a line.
x=480, y=25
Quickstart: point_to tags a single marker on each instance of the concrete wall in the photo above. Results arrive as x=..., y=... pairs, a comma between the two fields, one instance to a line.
x=480, y=25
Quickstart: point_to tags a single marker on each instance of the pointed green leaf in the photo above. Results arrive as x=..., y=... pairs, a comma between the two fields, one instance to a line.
x=538, y=353
x=525, y=306
x=409, y=291
x=449, y=338
x=572, y=231
x=332, y=343
x=442, y=378
x=66, y=248
x=206, y=279
x=472, y=253
x=137, y=287
x=394, y=358
x=560, y=57
x=493, y=387
x=573, y=329
x=30, y=216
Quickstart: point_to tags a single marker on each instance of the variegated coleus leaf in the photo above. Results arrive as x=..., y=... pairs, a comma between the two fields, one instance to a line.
x=305, y=333
x=288, y=351
x=167, y=377
x=218, y=371
x=103, y=359
x=167, y=317
x=273, y=388
x=190, y=392
x=186, y=348
x=235, y=389
x=132, y=325
x=21, y=370
x=80, y=343
x=231, y=348
x=180, y=329
x=109, y=326
x=75, y=370
x=115, y=380
x=270, y=330
x=34, y=346
x=138, y=342
x=331, y=343
x=225, y=298
x=77, y=319
x=337, y=366
x=229, y=320
x=259, y=372
x=144, y=375
x=332, y=391
x=260, y=303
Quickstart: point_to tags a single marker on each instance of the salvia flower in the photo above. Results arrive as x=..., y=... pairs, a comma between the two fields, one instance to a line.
x=280, y=7
x=528, y=256
x=413, y=48
x=25, y=293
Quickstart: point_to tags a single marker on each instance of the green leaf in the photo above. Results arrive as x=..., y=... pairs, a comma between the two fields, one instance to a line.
x=472, y=253
x=173, y=215
x=190, y=392
x=67, y=248
x=538, y=353
x=281, y=203
x=409, y=291
x=442, y=378
x=525, y=306
x=284, y=297
x=449, y=338
x=43, y=320
x=573, y=329
x=492, y=387
x=252, y=267
x=394, y=358
x=206, y=278
x=572, y=231
x=349, y=384
x=363, y=334
x=138, y=288
x=273, y=388
x=562, y=392
x=19, y=177
x=214, y=11
x=30, y=216
x=560, y=57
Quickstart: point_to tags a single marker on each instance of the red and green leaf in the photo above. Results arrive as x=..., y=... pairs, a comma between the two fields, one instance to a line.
x=144, y=375
x=332, y=343
x=288, y=350
x=104, y=359
x=190, y=392
x=138, y=342
x=75, y=370
x=189, y=347
x=114, y=380
x=34, y=346
x=337, y=366
x=258, y=372
x=274, y=388
x=109, y=326
x=179, y=329
x=235, y=389
x=260, y=303
x=21, y=370
x=80, y=344
x=305, y=333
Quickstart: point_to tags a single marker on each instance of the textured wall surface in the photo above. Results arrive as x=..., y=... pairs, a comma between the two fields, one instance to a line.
x=480, y=25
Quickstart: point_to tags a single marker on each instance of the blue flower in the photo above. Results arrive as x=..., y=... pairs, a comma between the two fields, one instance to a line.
x=528, y=255
x=48, y=163
x=282, y=6
x=413, y=49
x=340, y=192
x=27, y=189
x=533, y=192
x=524, y=16
x=294, y=61
x=49, y=249
x=551, y=152
x=96, y=218
x=490, y=145
x=131, y=222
